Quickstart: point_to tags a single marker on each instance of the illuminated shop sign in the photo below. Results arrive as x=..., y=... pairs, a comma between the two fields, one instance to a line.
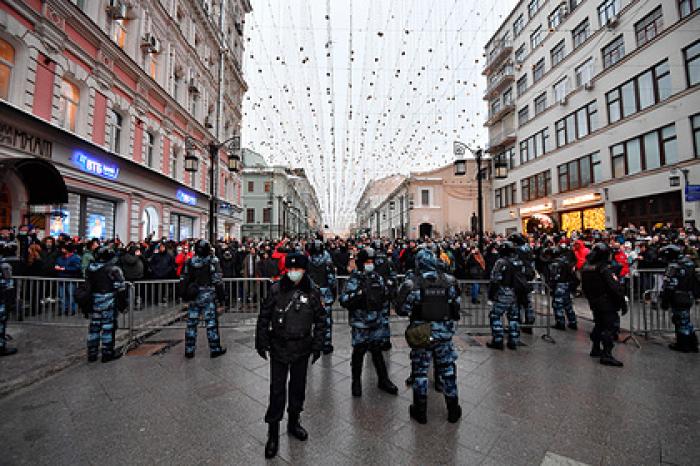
x=186, y=197
x=536, y=208
x=583, y=198
x=93, y=166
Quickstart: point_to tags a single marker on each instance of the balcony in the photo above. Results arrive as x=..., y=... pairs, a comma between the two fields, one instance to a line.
x=498, y=53
x=499, y=81
x=496, y=116
x=499, y=139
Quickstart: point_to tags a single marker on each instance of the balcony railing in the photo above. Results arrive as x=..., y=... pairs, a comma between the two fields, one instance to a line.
x=501, y=49
x=495, y=116
x=498, y=81
x=500, y=138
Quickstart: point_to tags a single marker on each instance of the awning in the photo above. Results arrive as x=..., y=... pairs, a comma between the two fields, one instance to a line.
x=42, y=180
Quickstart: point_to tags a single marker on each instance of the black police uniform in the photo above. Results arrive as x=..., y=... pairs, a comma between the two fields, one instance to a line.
x=290, y=327
x=678, y=293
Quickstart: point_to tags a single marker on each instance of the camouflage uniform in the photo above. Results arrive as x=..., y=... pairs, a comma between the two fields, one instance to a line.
x=678, y=294
x=108, y=288
x=322, y=264
x=7, y=297
x=502, y=293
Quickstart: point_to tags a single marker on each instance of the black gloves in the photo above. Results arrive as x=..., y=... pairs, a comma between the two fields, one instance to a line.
x=262, y=352
x=316, y=356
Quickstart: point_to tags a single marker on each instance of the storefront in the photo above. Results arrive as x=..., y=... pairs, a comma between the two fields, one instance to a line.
x=648, y=211
x=582, y=212
x=84, y=215
x=181, y=227
x=538, y=218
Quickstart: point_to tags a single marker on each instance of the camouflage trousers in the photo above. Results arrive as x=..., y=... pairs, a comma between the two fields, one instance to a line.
x=505, y=303
x=444, y=356
x=681, y=319
x=103, y=325
x=367, y=336
x=202, y=306
x=561, y=304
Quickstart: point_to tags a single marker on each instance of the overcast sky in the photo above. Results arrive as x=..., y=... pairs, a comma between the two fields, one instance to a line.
x=402, y=82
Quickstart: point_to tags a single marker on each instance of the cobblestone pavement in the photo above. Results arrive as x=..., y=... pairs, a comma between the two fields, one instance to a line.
x=544, y=404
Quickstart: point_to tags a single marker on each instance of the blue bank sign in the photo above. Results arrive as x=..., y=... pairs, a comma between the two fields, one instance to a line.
x=692, y=192
x=93, y=166
x=186, y=197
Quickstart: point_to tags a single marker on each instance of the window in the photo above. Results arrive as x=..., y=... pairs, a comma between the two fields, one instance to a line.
x=250, y=215
x=150, y=149
x=509, y=156
x=267, y=215
x=557, y=16
x=640, y=92
x=536, y=186
x=193, y=103
x=579, y=173
x=581, y=33
x=523, y=115
x=613, y=52
x=607, y=11
x=584, y=72
x=540, y=103
x=115, y=131
x=495, y=107
x=7, y=62
x=68, y=105
x=649, y=27
x=518, y=26
x=536, y=38
x=538, y=71
x=522, y=85
x=80, y=4
x=251, y=186
x=695, y=125
x=534, y=146
x=508, y=97
x=561, y=89
x=505, y=196
x=520, y=54
x=533, y=7
x=573, y=4
x=577, y=125
x=558, y=53
x=119, y=31
x=150, y=64
x=692, y=63
x=425, y=197
x=268, y=186
x=173, y=164
x=647, y=152
x=687, y=7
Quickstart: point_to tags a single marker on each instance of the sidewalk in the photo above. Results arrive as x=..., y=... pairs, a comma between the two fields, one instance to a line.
x=533, y=406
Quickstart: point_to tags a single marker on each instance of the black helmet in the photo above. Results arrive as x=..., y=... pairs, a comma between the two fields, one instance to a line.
x=517, y=239
x=363, y=256
x=670, y=253
x=104, y=254
x=202, y=248
x=599, y=253
x=506, y=249
x=315, y=247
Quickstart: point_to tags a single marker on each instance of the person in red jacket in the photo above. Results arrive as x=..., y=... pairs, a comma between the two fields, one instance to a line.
x=621, y=258
x=280, y=254
x=182, y=257
x=581, y=251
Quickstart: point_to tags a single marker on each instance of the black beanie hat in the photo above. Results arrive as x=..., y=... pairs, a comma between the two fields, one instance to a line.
x=296, y=261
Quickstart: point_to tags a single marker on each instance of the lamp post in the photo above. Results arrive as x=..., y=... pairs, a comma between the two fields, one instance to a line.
x=233, y=145
x=460, y=166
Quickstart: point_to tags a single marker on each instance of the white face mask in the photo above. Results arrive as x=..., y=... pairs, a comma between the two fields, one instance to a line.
x=295, y=275
x=369, y=268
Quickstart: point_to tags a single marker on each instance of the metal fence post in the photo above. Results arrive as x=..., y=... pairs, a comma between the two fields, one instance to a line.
x=548, y=323
x=632, y=309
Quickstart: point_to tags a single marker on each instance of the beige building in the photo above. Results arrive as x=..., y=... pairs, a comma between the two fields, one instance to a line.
x=595, y=106
x=374, y=194
x=436, y=203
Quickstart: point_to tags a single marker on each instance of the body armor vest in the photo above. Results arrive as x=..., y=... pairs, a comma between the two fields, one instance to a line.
x=435, y=302
x=294, y=319
x=319, y=274
x=375, y=293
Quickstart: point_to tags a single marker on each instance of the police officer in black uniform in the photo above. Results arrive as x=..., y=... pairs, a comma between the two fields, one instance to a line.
x=8, y=299
x=606, y=296
x=678, y=294
x=290, y=328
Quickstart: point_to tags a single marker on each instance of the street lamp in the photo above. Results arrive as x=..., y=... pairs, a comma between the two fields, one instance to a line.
x=192, y=165
x=460, y=170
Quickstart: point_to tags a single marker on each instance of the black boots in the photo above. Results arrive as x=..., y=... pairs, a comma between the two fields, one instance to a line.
x=273, y=440
x=685, y=343
x=217, y=352
x=382, y=374
x=559, y=326
x=596, y=351
x=8, y=351
x=495, y=344
x=606, y=357
x=572, y=325
x=512, y=345
x=418, y=410
x=454, y=410
x=356, y=366
x=295, y=429
x=439, y=386
x=113, y=356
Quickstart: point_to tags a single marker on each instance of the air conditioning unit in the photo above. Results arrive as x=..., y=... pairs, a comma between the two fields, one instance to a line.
x=206, y=5
x=117, y=9
x=612, y=22
x=207, y=123
x=564, y=101
x=589, y=86
x=150, y=43
x=193, y=82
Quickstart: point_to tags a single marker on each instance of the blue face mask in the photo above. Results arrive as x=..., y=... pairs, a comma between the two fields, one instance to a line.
x=295, y=275
x=369, y=268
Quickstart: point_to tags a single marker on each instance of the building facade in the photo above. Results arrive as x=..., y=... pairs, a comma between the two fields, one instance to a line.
x=436, y=204
x=374, y=194
x=277, y=201
x=594, y=105
x=113, y=88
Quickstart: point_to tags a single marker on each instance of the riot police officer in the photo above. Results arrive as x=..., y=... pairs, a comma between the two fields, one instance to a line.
x=430, y=296
x=7, y=304
x=606, y=297
x=365, y=296
x=322, y=273
x=562, y=281
x=201, y=285
x=382, y=265
x=527, y=257
x=508, y=286
x=105, y=283
x=677, y=293
x=290, y=329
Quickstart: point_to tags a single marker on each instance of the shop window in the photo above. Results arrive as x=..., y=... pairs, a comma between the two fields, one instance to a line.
x=692, y=63
x=649, y=27
x=150, y=222
x=7, y=63
x=613, y=52
x=687, y=7
x=68, y=105
x=120, y=29
x=115, y=131
x=181, y=227
x=99, y=218
x=581, y=33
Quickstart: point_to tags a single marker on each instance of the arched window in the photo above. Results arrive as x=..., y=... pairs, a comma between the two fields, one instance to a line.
x=7, y=62
x=115, y=131
x=150, y=222
x=68, y=105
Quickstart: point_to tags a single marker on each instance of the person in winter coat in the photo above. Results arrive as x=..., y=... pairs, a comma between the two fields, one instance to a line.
x=88, y=254
x=67, y=267
x=476, y=266
x=183, y=255
x=580, y=251
x=162, y=267
x=49, y=255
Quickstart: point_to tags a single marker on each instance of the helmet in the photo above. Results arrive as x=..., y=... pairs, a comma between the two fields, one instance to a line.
x=506, y=248
x=426, y=261
x=315, y=247
x=517, y=239
x=670, y=253
x=600, y=252
x=202, y=248
x=104, y=254
x=363, y=256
